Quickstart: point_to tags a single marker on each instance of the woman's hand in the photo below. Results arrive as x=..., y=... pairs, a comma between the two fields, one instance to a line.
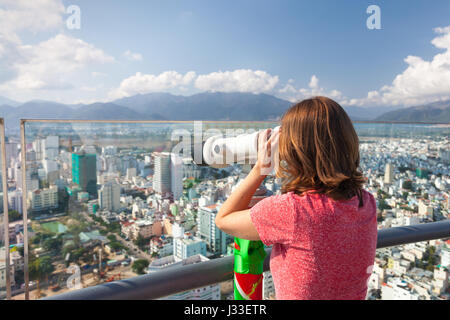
x=267, y=151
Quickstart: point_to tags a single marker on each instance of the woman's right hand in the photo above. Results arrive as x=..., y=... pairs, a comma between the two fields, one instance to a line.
x=267, y=151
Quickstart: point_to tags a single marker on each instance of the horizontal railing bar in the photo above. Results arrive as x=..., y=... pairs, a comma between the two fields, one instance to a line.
x=209, y=121
x=141, y=121
x=178, y=279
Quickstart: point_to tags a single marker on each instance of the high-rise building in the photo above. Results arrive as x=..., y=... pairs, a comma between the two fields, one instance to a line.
x=51, y=147
x=109, y=197
x=12, y=151
x=176, y=174
x=215, y=238
x=15, y=201
x=161, y=177
x=168, y=175
x=389, y=173
x=84, y=172
x=131, y=173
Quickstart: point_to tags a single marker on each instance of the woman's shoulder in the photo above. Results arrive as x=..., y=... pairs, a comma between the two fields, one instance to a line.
x=277, y=201
x=311, y=196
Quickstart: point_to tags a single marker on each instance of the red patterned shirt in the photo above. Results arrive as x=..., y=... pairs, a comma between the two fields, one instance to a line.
x=322, y=248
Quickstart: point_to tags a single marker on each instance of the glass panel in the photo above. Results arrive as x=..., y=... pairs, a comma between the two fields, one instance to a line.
x=5, y=268
x=11, y=202
x=104, y=199
x=101, y=206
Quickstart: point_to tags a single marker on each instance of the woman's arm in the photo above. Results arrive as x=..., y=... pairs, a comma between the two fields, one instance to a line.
x=234, y=215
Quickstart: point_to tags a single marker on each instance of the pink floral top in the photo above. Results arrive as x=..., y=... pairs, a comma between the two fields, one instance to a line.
x=322, y=248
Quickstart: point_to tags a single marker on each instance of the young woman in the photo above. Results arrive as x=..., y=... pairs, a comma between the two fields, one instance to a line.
x=323, y=226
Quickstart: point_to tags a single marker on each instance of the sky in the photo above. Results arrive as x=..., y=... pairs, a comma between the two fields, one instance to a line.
x=289, y=49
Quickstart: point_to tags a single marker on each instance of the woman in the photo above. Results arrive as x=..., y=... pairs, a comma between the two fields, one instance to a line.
x=323, y=226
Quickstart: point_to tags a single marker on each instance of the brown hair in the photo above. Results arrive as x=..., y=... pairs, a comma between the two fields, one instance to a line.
x=319, y=150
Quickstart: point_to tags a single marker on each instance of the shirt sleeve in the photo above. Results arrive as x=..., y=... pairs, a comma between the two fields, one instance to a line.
x=274, y=219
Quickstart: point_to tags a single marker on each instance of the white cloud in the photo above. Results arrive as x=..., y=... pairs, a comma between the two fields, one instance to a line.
x=34, y=16
x=242, y=80
x=97, y=74
x=293, y=94
x=48, y=64
x=30, y=70
x=421, y=82
x=20, y=15
x=230, y=81
x=145, y=83
x=132, y=56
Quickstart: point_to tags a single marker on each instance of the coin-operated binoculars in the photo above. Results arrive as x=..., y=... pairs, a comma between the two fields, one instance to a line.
x=219, y=152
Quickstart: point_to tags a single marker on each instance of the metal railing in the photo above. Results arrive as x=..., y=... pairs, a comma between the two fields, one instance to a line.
x=164, y=283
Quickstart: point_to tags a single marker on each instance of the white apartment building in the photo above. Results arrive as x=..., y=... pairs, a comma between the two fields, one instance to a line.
x=389, y=173
x=161, y=176
x=215, y=238
x=131, y=173
x=15, y=200
x=145, y=228
x=109, y=197
x=397, y=289
x=268, y=286
x=186, y=247
x=163, y=246
x=211, y=292
x=42, y=199
x=445, y=255
x=168, y=175
x=425, y=211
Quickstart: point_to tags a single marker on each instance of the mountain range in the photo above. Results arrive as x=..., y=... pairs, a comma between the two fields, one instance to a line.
x=202, y=106
x=432, y=112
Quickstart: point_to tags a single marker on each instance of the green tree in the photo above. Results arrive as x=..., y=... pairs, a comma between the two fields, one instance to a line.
x=407, y=185
x=39, y=269
x=140, y=265
x=382, y=205
x=140, y=242
x=14, y=215
x=116, y=245
x=52, y=244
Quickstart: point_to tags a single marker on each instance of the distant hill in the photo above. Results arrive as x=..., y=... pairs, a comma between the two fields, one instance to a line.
x=106, y=111
x=366, y=113
x=9, y=102
x=226, y=106
x=433, y=112
x=208, y=106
